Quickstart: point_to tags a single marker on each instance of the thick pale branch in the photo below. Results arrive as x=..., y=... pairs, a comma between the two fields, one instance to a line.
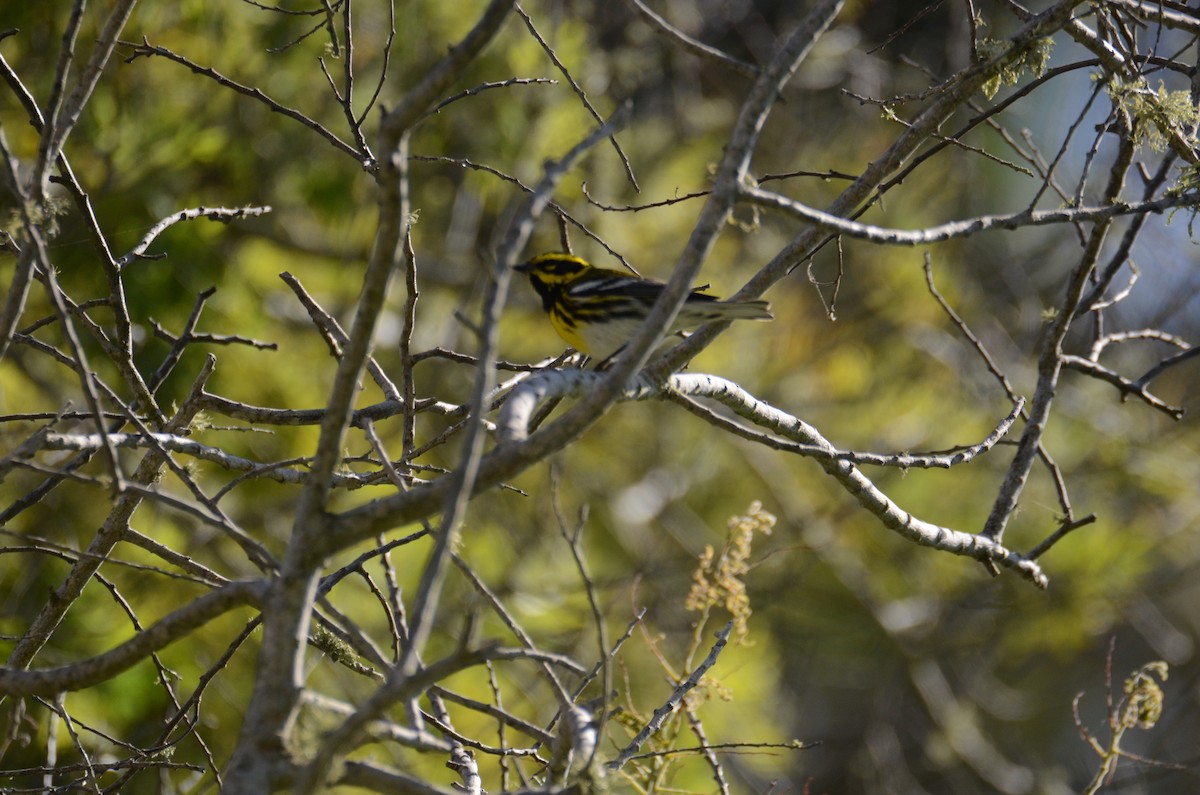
x=223, y=214
x=515, y=415
x=278, y=471
x=965, y=227
x=961, y=455
x=868, y=495
x=1157, y=12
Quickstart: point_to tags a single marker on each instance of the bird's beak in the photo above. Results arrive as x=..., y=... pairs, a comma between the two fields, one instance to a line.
x=524, y=267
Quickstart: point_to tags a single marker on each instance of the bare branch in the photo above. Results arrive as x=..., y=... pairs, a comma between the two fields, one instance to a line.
x=172, y=627
x=689, y=43
x=672, y=703
x=968, y=226
x=222, y=214
x=146, y=50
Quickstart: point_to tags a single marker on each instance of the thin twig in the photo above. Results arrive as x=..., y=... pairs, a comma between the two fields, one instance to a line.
x=671, y=704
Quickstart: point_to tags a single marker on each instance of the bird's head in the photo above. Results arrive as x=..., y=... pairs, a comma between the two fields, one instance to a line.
x=553, y=269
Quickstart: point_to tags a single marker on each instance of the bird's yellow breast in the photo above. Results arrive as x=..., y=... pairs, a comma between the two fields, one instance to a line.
x=569, y=332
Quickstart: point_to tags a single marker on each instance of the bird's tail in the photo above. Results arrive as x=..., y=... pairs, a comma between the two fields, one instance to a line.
x=745, y=310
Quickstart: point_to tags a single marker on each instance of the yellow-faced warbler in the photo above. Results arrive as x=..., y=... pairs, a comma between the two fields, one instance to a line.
x=597, y=311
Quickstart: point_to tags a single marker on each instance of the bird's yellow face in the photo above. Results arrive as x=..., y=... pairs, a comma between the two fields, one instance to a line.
x=550, y=275
x=553, y=270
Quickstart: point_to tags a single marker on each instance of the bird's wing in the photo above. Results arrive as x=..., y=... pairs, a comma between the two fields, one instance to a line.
x=609, y=282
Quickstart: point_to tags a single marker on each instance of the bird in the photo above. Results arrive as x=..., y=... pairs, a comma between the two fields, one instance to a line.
x=597, y=311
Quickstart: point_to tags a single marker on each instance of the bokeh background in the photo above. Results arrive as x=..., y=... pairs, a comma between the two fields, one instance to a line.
x=913, y=671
